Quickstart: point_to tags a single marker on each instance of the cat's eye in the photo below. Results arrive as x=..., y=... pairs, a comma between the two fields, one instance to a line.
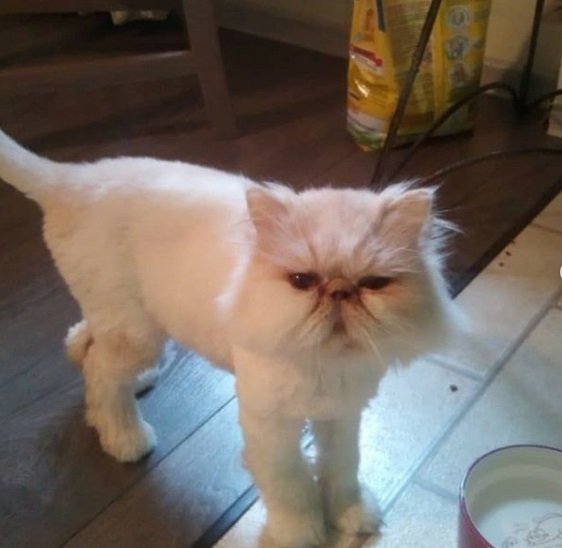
x=304, y=280
x=374, y=283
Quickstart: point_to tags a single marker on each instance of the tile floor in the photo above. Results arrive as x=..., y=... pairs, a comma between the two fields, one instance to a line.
x=502, y=385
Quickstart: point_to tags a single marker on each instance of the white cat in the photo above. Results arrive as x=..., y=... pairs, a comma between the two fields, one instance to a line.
x=307, y=297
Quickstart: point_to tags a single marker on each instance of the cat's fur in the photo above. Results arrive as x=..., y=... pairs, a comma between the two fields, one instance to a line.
x=153, y=248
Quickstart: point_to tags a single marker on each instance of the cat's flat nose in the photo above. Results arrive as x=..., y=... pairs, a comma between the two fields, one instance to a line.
x=340, y=290
x=341, y=295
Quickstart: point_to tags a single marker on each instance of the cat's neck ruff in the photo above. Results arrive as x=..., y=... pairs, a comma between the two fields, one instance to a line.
x=317, y=386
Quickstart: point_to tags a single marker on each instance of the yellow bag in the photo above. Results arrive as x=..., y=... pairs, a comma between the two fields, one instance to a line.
x=384, y=34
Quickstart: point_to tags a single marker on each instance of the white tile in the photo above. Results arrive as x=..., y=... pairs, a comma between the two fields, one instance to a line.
x=413, y=407
x=419, y=519
x=503, y=299
x=523, y=404
x=248, y=532
x=551, y=216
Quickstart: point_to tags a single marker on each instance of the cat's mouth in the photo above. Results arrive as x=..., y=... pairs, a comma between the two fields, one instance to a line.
x=339, y=338
x=339, y=327
x=340, y=332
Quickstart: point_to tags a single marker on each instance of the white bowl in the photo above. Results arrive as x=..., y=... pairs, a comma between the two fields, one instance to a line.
x=512, y=498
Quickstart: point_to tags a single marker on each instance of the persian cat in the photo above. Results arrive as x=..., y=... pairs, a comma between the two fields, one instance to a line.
x=307, y=297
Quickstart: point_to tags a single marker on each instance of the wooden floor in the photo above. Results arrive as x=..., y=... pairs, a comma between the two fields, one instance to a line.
x=56, y=486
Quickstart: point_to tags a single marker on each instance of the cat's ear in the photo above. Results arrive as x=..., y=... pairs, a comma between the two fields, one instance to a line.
x=267, y=210
x=407, y=212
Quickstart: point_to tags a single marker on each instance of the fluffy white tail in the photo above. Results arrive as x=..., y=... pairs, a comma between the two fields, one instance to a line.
x=24, y=170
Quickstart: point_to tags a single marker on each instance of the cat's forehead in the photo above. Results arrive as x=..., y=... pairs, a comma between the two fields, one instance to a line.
x=334, y=210
x=342, y=199
x=340, y=230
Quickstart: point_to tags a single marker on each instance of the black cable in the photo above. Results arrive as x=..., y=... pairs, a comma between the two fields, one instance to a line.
x=541, y=99
x=528, y=70
x=484, y=158
x=420, y=140
x=519, y=102
x=417, y=58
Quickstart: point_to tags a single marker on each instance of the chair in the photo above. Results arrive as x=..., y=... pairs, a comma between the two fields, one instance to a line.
x=203, y=58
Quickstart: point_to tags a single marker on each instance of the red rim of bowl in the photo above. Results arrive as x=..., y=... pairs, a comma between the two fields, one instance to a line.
x=466, y=517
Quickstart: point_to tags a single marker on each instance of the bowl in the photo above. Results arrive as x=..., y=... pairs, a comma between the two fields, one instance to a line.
x=512, y=498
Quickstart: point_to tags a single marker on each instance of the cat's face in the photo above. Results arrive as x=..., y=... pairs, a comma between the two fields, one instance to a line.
x=334, y=270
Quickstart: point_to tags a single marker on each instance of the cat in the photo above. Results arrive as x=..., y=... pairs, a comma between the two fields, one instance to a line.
x=307, y=297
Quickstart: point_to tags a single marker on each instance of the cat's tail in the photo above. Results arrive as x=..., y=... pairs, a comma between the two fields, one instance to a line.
x=24, y=170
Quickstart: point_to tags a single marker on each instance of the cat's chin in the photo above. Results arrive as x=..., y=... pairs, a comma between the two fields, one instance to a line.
x=339, y=342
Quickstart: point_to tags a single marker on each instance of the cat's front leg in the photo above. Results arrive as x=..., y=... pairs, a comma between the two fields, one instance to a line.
x=349, y=507
x=290, y=494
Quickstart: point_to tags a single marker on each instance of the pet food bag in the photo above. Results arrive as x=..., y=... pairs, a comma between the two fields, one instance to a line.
x=384, y=34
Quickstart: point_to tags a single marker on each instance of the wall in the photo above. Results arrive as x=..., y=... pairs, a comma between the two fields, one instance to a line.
x=323, y=25
x=508, y=39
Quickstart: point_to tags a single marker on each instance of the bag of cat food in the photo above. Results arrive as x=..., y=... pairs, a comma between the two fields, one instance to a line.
x=384, y=34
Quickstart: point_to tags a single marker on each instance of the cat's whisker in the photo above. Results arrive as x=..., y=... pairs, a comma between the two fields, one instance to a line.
x=310, y=329
x=371, y=345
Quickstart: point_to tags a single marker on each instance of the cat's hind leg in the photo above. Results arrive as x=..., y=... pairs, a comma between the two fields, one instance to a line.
x=117, y=340
x=79, y=340
x=111, y=367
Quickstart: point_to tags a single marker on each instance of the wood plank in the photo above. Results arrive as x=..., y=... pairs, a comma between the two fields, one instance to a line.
x=35, y=309
x=180, y=498
x=34, y=365
x=29, y=36
x=37, y=38
x=60, y=6
x=95, y=71
x=53, y=477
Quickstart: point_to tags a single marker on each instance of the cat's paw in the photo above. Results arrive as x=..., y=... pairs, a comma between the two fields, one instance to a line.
x=358, y=519
x=296, y=530
x=128, y=444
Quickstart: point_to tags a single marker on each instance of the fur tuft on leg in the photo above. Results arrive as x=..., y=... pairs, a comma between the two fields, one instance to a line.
x=146, y=380
x=78, y=340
